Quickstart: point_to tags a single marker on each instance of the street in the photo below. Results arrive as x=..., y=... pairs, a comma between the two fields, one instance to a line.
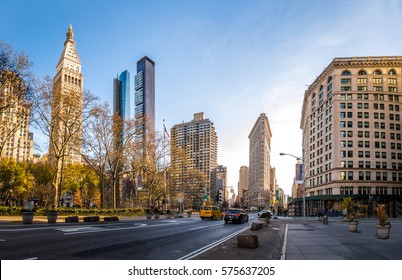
x=180, y=238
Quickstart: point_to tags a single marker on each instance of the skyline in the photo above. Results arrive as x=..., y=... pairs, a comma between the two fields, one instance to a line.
x=231, y=60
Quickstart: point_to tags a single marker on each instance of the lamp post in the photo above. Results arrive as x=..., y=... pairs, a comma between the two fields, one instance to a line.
x=303, y=185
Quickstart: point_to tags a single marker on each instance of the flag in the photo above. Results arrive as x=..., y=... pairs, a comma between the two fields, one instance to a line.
x=166, y=131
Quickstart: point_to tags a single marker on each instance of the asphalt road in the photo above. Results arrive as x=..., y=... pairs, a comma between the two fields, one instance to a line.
x=163, y=239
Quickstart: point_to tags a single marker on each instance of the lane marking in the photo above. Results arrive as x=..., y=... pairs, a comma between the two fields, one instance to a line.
x=198, y=228
x=116, y=229
x=32, y=258
x=212, y=245
x=2, y=240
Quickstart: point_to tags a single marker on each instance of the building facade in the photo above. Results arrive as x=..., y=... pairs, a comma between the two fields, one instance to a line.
x=66, y=116
x=145, y=96
x=218, y=189
x=16, y=141
x=242, y=187
x=351, y=122
x=194, y=153
x=259, y=182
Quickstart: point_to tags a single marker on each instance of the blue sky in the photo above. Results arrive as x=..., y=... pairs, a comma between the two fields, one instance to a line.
x=231, y=59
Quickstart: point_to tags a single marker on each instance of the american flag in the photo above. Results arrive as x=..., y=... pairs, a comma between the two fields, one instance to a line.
x=167, y=133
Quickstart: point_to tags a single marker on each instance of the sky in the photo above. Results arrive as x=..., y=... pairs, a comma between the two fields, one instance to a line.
x=231, y=59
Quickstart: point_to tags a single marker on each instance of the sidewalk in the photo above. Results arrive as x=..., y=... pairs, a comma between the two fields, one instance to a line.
x=316, y=241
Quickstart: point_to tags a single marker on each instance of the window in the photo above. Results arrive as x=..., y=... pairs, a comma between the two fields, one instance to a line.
x=361, y=88
x=346, y=89
x=362, y=80
x=392, y=89
x=346, y=81
x=377, y=80
x=362, y=73
x=392, y=81
x=346, y=73
x=377, y=72
x=392, y=72
x=377, y=88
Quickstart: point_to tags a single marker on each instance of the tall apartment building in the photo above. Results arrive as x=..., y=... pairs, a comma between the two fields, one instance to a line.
x=122, y=95
x=68, y=84
x=194, y=153
x=16, y=141
x=242, y=187
x=351, y=122
x=145, y=96
x=260, y=192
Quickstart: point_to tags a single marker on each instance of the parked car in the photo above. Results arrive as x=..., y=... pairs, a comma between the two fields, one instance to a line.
x=236, y=216
x=211, y=212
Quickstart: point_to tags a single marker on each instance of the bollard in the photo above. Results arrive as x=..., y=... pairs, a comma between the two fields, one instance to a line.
x=325, y=220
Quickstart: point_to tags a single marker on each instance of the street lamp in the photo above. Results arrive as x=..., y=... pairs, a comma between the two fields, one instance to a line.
x=303, y=185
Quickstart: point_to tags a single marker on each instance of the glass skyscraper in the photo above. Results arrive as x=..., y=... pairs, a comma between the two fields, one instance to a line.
x=121, y=95
x=145, y=95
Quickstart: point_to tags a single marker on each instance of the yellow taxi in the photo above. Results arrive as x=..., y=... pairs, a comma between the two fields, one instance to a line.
x=211, y=212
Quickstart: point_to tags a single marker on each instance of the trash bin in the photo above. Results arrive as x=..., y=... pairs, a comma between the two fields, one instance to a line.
x=325, y=219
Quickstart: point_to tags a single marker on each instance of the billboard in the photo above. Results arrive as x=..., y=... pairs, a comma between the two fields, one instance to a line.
x=299, y=173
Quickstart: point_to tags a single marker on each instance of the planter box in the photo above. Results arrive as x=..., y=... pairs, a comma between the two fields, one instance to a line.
x=353, y=226
x=72, y=219
x=27, y=217
x=111, y=219
x=383, y=231
x=91, y=219
x=52, y=217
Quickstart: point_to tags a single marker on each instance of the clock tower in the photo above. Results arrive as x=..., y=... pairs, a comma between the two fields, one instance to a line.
x=66, y=117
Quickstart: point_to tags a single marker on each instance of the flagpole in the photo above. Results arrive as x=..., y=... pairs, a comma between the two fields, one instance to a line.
x=164, y=160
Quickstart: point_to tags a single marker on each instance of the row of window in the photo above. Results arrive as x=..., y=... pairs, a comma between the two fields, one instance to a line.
x=362, y=72
x=376, y=106
x=366, y=144
x=367, y=190
x=367, y=164
x=361, y=176
x=71, y=80
x=365, y=96
x=375, y=88
x=366, y=176
x=367, y=154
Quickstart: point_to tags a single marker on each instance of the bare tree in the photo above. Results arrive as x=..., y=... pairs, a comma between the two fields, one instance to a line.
x=148, y=163
x=108, y=142
x=60, y=116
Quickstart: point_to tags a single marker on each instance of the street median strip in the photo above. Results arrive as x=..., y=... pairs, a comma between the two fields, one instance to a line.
x=212, y=245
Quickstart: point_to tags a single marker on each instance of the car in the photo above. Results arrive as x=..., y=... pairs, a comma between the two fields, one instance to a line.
x=211, y=212
x=236, y=216
x=265, y=211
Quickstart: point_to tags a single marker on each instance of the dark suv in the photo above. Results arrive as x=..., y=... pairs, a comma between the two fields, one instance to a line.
x=236, y=215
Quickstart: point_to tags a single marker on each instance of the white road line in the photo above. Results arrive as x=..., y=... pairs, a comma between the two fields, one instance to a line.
x=32, y=258
x=285, y=241
x=115, y=229
x=2, y=240
x=198, y=228
x=212, y=245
